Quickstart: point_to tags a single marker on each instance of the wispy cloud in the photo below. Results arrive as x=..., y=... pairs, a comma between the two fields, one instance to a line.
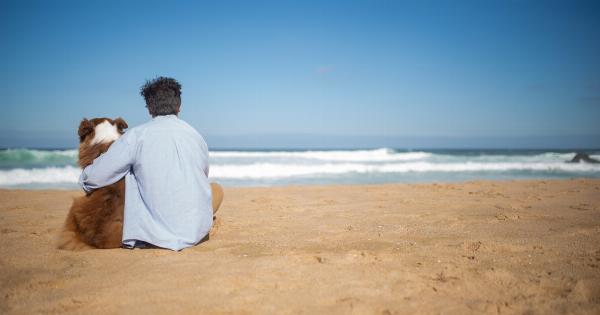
x=324, y=69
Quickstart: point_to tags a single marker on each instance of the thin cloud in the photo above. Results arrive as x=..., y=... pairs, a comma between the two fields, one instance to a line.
x=325, y=69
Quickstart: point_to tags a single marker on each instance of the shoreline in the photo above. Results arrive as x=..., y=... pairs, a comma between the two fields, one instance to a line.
x=341, y=185
x=486, y=246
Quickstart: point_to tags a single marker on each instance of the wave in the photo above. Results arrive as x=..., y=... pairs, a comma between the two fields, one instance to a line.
x=23, y=167
x=18, y=158
x=69, y=174
x=548, y=157
x=28, y=157
x=48, y=175
x=376, y=155
x=384, y=155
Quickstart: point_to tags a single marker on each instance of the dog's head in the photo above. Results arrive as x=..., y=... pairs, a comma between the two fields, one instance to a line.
x=96, y=135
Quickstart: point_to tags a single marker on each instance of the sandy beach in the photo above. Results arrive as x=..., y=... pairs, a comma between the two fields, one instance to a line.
x=494, y=247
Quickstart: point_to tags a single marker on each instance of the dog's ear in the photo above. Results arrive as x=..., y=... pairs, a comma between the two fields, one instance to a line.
x=121, y=124
x=85, y=128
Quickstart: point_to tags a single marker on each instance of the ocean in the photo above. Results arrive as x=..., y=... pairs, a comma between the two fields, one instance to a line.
x=41, y=169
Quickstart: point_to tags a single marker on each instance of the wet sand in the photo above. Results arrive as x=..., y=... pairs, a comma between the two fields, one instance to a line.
x=480, y=247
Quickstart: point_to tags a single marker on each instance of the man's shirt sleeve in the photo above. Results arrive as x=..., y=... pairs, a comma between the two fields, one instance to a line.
x=204, y=147
x=206, y=169
x=111, y=166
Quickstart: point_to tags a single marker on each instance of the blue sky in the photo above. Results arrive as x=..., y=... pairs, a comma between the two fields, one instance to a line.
x=309, y=73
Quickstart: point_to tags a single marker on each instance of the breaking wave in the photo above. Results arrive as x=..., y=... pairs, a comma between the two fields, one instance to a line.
x=48, y=175
x=378, y=155
x=57, y=168
x=32, y=157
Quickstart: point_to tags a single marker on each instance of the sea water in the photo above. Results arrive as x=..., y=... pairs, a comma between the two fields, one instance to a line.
x=33, y=169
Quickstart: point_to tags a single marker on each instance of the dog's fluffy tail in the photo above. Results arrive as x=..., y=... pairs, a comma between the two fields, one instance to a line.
x=69, y=240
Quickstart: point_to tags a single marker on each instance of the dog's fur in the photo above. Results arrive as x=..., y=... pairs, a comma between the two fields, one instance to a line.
x=96, y=220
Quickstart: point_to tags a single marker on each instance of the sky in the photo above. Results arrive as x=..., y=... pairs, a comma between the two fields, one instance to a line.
x=309, y=74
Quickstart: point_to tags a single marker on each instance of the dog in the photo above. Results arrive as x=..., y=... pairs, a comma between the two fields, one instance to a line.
x=96, y=219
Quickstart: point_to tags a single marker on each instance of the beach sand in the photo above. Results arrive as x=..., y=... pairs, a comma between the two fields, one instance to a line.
x=525, y=247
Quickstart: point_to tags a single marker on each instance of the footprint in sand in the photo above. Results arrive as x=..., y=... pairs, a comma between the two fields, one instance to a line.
x=507, y=217
x=582, y=207
x=472, y=246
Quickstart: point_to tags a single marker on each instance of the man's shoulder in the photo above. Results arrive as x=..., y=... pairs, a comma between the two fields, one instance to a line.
x=133, y=132
x=195, y=132
x=149, y=125
x=158, y=126
x=189, y=127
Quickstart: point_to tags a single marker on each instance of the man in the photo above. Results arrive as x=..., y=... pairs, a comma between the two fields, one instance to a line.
x=169, y=202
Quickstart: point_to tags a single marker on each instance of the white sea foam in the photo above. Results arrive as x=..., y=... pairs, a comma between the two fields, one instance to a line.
x=377, y=155
x=48, y=175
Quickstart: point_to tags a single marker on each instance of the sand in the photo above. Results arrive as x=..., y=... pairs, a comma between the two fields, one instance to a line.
x=490, y=247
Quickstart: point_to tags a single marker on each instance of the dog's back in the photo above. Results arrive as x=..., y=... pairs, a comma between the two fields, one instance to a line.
x=96, y=219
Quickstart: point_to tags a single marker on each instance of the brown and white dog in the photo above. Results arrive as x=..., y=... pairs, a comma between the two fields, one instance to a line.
x=96, y=220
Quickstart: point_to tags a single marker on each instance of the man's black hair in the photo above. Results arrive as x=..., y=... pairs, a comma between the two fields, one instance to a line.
x=162, y=95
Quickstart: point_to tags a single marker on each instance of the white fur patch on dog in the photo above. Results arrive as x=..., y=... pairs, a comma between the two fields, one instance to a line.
x=105, y=132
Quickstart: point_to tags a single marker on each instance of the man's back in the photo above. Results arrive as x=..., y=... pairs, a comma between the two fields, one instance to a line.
x=171, y=175
x=167, y=194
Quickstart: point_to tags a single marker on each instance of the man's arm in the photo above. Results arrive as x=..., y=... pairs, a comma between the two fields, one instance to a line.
x=111, y=166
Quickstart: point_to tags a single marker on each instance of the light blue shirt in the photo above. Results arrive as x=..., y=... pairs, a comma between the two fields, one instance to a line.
x=167, y=193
